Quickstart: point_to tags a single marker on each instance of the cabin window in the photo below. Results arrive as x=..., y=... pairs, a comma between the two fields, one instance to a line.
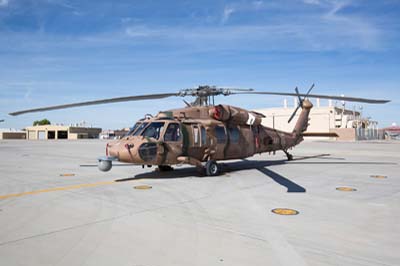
x=196, y=135
x=140, y=129
x=220, y=133
x=173, y=133
x=203, y=136
x=154, y=130
x=234, y=135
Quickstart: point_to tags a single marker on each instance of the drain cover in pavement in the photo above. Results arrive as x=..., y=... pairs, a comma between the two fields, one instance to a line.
x=67, y=174
x=284, y=211
x=143, y=187
x=379, y=176
x=346, y=189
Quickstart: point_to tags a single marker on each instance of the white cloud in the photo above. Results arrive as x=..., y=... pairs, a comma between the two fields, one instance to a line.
x=257, y=4
x=292, y=36
x=228, y=11
x=4, y=3
x=143, y=31
x=232, y=8
x=312, y=2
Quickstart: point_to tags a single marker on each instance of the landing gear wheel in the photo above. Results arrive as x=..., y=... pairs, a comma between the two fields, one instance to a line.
x=165, y=168
x=212, y=168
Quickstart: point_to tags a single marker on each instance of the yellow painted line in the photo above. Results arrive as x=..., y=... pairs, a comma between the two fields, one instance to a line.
x=56, y=189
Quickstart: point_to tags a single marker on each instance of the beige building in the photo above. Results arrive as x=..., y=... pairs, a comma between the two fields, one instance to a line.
x=12, y=134
x=113, y=134
x=46, y=132
x=348, y=124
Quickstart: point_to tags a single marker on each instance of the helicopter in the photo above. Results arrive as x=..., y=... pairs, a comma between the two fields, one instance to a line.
x=204, y=133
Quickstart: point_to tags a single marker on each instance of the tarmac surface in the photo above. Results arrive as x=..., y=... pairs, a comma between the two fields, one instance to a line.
x=56, y=208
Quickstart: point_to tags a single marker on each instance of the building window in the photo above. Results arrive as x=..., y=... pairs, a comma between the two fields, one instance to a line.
x=220, y=133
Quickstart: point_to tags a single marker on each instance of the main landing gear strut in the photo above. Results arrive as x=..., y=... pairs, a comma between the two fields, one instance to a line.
x=288, y=155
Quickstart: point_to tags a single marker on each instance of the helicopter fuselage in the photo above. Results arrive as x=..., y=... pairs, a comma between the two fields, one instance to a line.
x=195, y=135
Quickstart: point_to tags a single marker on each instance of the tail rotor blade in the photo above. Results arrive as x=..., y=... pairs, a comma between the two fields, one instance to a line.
x=294, y=113
x=309, y=90
x=298, y=95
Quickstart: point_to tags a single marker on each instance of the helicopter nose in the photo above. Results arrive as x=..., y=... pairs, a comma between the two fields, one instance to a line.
x=111, y=150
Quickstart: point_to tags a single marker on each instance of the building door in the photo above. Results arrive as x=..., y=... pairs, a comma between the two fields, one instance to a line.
x=51, y=134
x=42, y=134
x=31, y=134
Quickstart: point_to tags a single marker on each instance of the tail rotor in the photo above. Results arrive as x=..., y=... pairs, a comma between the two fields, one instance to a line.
x=300, y=101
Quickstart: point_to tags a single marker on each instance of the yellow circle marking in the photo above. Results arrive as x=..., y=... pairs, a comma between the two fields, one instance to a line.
x=143, y=187
x=67, y=174
x=379, y=176
x=283, y=211
x=346, y=189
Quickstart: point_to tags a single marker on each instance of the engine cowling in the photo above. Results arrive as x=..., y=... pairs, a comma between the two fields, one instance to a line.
x=234, y=115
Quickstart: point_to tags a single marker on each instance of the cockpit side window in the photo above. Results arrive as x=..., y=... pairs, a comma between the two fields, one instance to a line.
x=140, y=129
x=154, y=130
x=173, y=132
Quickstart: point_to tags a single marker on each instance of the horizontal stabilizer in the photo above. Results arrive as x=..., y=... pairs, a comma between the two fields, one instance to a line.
x=320, y=134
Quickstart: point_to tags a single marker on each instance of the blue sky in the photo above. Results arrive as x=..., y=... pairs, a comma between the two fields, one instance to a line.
x=59, y=51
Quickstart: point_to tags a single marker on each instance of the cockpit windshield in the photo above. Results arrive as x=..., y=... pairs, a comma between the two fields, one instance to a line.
x=154, y=130
x=133, y=129
x=140, y=129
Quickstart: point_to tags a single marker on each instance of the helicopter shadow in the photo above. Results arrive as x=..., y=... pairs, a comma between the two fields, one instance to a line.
x=226, y=168
x=231, y=167
x=261, y=166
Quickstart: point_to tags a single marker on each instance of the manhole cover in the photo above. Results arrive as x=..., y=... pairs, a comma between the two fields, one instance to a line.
x=67, y=174
x=284, y=211
x=143, y=187
x=346, y=189
x=379, y=176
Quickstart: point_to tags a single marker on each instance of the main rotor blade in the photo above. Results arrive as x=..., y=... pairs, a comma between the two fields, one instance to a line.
x=237, y=89
x=111, y=100
x=340, y=98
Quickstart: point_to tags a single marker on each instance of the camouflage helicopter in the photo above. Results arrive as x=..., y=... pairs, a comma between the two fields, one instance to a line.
x=203, y=133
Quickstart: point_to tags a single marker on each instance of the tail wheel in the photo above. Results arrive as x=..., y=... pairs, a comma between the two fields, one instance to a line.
x=212, y=168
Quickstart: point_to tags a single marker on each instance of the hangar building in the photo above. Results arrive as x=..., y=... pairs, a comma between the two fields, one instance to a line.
x=12, y=134
x=347, y=124
x=46, y=132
